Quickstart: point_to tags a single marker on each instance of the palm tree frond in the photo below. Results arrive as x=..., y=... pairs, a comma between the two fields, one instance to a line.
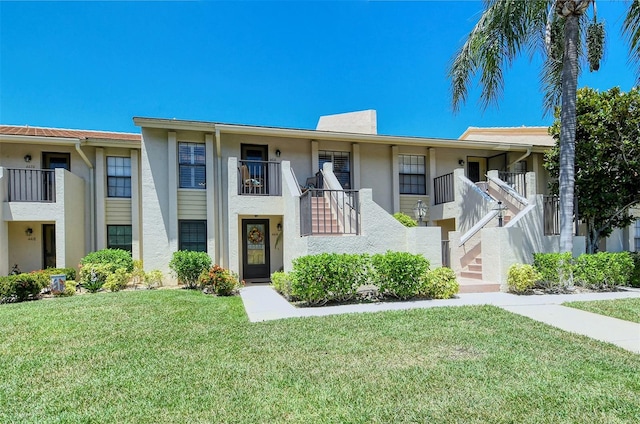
x=631, y=30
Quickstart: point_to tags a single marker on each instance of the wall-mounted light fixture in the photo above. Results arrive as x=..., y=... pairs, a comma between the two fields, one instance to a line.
x=461, y=162
x=279, y=226
x=278, y=153
x=28, y=231
x=27, y=158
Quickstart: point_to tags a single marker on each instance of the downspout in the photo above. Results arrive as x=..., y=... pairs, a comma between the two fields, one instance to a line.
x=526, y=155
x=92, y=201
x=219, y=197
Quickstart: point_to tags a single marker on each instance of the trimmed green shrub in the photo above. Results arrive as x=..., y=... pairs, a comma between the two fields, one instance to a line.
x=21, y=287
x=556, y=269
x=113, y=258
x=440, y=283
x=117, y=280
x=634, y=278
x=188, y=265
x=399, y=274
x=603, y=270
x=282, y=283
x=317, y=279
x=522, y=277
x=219, y=281
x=405, y=219
x=93, y=276
x=153, y=279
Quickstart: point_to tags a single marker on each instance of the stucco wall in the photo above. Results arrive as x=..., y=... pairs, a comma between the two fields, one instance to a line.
x=74, y=225
x=4, y=228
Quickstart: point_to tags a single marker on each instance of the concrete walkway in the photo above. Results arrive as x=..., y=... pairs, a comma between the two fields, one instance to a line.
x=263, y=303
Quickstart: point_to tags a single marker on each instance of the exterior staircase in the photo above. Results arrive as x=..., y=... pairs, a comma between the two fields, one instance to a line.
x=323, y=220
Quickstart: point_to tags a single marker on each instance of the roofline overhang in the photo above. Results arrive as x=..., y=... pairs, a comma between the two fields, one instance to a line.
x=69, y=141
x=175, y=124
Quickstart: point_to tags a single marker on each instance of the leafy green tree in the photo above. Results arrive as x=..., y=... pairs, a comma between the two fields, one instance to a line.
x=562, y=32
x=607, y=159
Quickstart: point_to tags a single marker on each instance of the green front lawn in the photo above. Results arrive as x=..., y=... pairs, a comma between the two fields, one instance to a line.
x=180, y=356
x=626, y=309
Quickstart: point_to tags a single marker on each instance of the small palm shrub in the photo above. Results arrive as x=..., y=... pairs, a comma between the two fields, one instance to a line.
x=521, y=278
x=187, y=266
x=220, y=281
x=405, y=219
x=440, y=283
x=93, y=276
x=400, y=274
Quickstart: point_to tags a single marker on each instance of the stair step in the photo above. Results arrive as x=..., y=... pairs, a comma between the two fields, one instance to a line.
x=475, y=267
x=471, y=275
x=479, y=288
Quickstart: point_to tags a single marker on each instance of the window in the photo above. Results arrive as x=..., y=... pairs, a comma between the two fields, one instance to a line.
x=341, y=165
x=118, y=176
x=638, y=235
x=412, y=174
x=192, y=165
x=193, y=236
x=119, y=237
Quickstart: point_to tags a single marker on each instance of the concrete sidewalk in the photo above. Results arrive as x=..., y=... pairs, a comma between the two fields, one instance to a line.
x=263, y=303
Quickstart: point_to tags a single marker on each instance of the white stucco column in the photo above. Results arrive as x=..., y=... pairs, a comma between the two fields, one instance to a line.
x=395, y=179
x=315, y=161
x=211, y=192
x=4, y=228
x=355, y=152
x=537, y=168
x=432, y=174
x=136, y=234
x=172, y=167
x=101, y=227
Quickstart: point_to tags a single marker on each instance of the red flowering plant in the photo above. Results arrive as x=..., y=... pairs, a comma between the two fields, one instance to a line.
x=221, y=281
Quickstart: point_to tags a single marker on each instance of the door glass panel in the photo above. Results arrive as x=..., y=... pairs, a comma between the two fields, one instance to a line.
x=256, y=249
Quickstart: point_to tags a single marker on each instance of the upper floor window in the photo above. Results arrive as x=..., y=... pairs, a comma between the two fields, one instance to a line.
x=118, y=176
x=341, y=165
x=412, y=174
x=191, y=161
x=638, y=235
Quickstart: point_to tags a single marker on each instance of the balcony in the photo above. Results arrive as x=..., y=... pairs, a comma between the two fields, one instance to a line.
x=443, y=189
x=259, y=178
x=31, y=185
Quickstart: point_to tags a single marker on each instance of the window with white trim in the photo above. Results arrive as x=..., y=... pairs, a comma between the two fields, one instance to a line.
x=638, y=235
x=192, y=165
x=341, y=165
x=118, y=176
x=412, y=172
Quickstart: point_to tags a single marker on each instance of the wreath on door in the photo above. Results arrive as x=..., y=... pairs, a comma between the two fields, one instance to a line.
x=255, y=236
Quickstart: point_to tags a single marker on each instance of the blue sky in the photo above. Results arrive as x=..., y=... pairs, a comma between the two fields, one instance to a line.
x=95, y=65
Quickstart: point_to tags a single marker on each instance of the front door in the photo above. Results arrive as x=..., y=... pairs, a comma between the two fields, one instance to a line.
x=473, y=171
x=49, y=245
x=56, y=160
x=255, y=249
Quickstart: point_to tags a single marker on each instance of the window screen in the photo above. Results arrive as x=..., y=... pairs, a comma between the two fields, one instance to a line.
x=412, y=174
x=193, y=236
x=118, y=176
x=192, y=165
x=119, y=237
x=341, y=165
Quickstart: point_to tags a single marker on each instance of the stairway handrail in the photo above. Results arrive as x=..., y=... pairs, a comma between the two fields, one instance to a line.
x=479, y=225
x=510, y=190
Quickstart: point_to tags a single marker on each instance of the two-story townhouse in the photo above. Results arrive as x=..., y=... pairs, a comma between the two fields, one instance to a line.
x=65, y=193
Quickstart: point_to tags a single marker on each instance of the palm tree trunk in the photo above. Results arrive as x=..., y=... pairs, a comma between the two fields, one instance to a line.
x=568, y=131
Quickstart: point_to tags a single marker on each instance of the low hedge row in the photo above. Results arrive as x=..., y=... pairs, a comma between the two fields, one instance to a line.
x=25, y=286
x=599, y=271
x=332, y=277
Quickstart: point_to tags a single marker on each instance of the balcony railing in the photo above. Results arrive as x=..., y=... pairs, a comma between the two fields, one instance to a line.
x=551, y=215
x=443, y=189
x=329, y=212
x=31, y=185
x=517, y=181
x=259, y=178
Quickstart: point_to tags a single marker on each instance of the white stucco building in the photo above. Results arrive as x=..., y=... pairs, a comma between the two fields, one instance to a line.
x=255, y=198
